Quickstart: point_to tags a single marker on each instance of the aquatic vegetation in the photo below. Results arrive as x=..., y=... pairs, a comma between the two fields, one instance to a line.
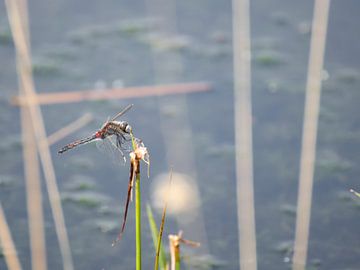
x=5, y=37
x=61, y=53
x=92, y=33
x=304, y=27
x=348, y=75
x=329, y=163
x=280, y=18
x=45, y=67
x=204, y=262
x=12, y=143
x=161, y=42
x=220, y=151
x=6, y=180
x=81, y=162
x=106, y=226
x=288, y=209
x=80, y=183
x=88, y=199
x=268, y=58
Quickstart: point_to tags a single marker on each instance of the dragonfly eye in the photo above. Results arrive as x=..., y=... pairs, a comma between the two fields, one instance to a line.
x=128, y=129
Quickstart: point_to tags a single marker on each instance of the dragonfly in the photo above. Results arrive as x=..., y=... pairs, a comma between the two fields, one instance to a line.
x=121, y=130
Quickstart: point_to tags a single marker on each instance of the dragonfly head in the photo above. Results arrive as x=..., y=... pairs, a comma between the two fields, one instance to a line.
x=128, y=129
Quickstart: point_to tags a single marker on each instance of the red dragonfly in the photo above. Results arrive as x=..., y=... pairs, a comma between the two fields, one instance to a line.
x=120, y=129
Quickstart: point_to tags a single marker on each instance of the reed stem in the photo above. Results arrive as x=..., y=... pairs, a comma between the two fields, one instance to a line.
x=138, y=217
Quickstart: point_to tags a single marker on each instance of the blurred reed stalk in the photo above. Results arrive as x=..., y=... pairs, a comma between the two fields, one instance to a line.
x=174, y=244
x=115, y=93
x=70, y=128
x=32, y=171
x=25, y=74
x=7, y=243
x=311, y=115
x=176, y=131
x=243, y=134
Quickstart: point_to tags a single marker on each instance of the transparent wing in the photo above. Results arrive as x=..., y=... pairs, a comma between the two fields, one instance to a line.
x=110, y=148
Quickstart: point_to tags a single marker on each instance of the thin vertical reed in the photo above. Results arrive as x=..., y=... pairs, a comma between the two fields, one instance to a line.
x=243, y=134
x=33, y=195
x=32, y=174
x=138, y=217
x=311, y=115
x=25, y=74
x=7, y=243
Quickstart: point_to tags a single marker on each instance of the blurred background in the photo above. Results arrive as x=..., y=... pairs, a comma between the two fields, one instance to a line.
x=112, y=44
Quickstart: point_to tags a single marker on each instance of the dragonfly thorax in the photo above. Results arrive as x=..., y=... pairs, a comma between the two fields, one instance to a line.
x=117, y=128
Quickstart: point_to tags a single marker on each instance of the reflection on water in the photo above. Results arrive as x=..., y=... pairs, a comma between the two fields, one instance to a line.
x=182, y=198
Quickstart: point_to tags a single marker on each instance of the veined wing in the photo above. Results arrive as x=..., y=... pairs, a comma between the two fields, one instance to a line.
x=109, y=147
x=128, y=107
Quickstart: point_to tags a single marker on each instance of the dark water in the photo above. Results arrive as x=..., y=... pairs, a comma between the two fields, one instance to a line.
x=78, y=46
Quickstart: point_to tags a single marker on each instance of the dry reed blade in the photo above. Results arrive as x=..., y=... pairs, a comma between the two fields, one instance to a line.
x=128, y=199
x=70, y=128
x=115, y=93
x=7, y=243
x=243, y=135
x=32, y=174
x=24, y=72
x=33, y=194
x=161, y=229
x=308, y=148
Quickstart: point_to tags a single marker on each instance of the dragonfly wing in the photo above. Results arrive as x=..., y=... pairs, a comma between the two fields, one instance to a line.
x=108, y=146
x=128, y=107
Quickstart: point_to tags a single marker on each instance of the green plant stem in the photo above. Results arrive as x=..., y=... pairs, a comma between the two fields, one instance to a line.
x=177, y=259
x=138, y=218
x=160, y=258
